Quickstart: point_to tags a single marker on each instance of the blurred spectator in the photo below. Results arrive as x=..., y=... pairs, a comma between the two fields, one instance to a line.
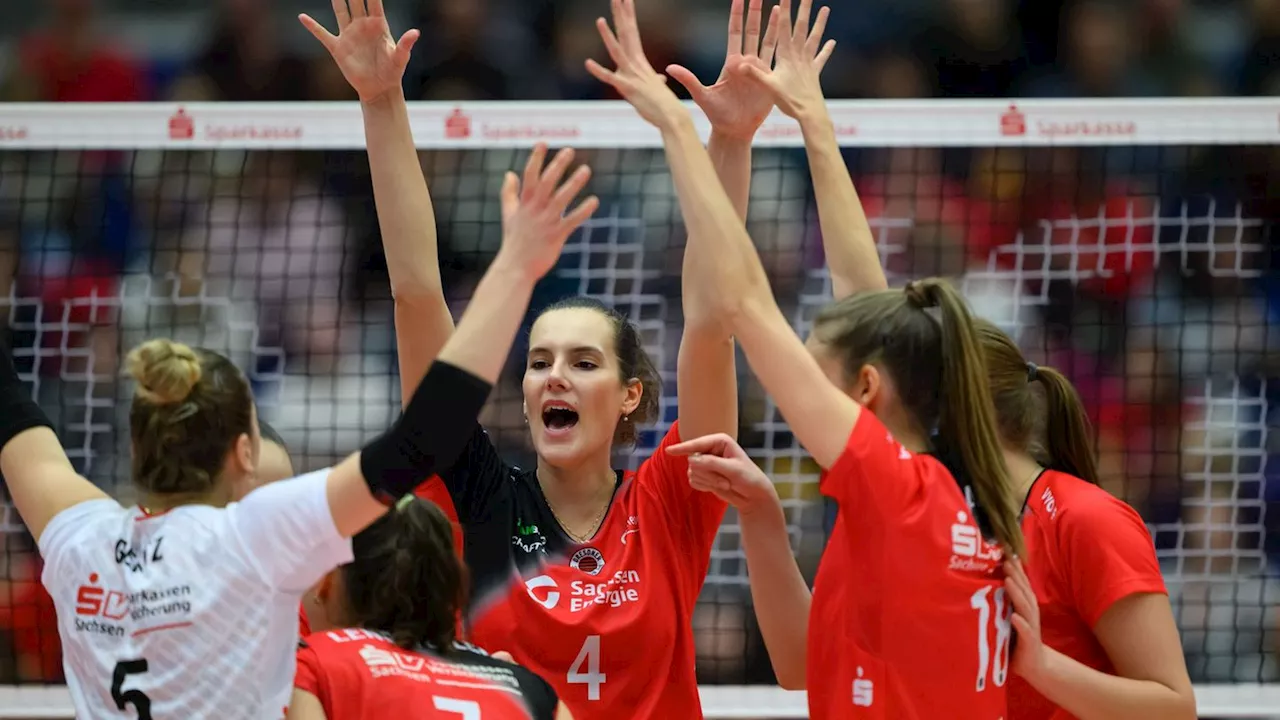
x=68, y=61
x=245, y=60
x=976, y=49
x=1095, y=55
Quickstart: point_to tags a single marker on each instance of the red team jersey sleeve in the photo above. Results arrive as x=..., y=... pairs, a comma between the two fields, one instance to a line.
x=310, y=677
x=1108, y=551
x=698, y=513
x=873, y=474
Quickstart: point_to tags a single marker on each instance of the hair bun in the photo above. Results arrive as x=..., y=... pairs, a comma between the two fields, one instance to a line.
x=166, y=371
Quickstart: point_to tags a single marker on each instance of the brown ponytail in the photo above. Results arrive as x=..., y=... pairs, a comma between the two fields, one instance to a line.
x=939, y=376
x=1068, y=432
x=1068, y=435
x=406, y=580
x=966, y=414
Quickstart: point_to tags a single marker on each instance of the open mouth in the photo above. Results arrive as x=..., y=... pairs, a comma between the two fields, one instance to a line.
x=558, y=417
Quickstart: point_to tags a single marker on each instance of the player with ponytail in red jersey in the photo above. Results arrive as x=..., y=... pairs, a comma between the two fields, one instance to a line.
x=1105, y=627
x=585, y=574
x=1096, y=635
x=906, y=621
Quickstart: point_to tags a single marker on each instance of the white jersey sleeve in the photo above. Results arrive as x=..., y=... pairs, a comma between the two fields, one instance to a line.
x=68, y=530
x=288, y=532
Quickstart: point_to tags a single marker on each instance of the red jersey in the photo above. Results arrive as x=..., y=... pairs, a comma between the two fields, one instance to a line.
x=607, y=622
x=909, y=618
x=362, y=674
x=1085, y=551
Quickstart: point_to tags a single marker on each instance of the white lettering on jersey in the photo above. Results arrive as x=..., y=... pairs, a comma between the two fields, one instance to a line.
x=1050, y=503
x=970, y=552
x=633, y=527
x=863, y=691
x=615, y=592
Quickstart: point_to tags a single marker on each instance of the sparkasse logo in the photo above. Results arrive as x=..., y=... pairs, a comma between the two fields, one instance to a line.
x=13, y=133
x=181, y=125
x=1013, y=122
x=458, y=125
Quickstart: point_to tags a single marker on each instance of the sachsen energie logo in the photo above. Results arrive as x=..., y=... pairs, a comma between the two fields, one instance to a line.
x=181, y=125
x=619, y=590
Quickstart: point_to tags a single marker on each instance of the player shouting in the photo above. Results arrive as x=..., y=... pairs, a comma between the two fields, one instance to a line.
x=587, y=575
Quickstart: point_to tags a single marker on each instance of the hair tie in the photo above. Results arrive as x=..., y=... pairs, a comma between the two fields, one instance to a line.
x=403, y=502
x=1033, y=372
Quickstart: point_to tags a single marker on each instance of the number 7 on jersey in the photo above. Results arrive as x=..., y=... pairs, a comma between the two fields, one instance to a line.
x=589, y=656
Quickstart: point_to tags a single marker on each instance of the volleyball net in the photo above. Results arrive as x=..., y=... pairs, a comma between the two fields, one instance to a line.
x=1129, y=243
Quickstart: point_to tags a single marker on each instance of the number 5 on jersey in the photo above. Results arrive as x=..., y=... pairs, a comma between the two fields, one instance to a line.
x=588, y=656
x=996, y=663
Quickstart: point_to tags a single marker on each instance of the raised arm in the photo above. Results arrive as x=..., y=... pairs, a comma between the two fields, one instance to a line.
x=441, y=414
x=819, y=414
x=36, y=470
x=373, y=62
x=706, y=379
x=846, y=235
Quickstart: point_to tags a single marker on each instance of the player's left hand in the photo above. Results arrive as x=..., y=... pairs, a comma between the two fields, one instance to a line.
x=735, y=105
x=1029, y=651
x=536, y=220
x=634, y=79
x=719, y=465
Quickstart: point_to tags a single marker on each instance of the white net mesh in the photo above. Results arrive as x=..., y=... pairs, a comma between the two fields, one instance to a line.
x=1153, y=299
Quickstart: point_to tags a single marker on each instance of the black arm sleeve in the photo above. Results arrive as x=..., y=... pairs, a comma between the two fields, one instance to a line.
x=538, y=695
x=18, y=412
x=431, y=434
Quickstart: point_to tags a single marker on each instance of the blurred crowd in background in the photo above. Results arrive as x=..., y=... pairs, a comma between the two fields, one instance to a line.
x=1147, y=274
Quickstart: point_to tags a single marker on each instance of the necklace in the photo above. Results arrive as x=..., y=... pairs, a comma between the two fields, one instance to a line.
x=595, y=524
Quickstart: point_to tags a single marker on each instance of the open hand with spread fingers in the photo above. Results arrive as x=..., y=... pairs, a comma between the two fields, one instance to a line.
x=735, y=105
x=1029, y=652
x=535, y=218
x=794, y=82
x=364, y=49
x=635, y=79
x=719, y=465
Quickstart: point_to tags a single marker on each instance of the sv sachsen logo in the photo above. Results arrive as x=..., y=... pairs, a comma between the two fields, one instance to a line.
x=970, y=552
x=99, y=609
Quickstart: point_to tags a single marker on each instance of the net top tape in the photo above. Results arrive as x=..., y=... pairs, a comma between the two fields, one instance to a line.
x=608, y=124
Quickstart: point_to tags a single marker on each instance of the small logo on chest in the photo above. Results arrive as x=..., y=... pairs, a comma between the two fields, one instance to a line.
x=588, y=560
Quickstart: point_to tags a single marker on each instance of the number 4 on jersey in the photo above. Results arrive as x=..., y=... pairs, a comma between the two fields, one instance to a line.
x=999, y=664
x=589, y=655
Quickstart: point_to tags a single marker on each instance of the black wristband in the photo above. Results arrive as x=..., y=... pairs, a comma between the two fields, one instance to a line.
x=18, y=412
x=429, y=436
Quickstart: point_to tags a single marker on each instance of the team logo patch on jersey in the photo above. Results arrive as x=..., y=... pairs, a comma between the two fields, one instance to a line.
x=588, y=560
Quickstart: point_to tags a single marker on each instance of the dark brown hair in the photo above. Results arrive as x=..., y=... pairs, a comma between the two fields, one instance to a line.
x=406, y=579
x=634, y=363
x=938, y=372
x=189, y=408
x=1022, y=414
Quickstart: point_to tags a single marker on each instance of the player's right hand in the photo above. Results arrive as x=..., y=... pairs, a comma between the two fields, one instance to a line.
x=535, y=218
x=736, y=105
x=635, y=79
x=794, y=80
x=368, y=56
x=719, y=465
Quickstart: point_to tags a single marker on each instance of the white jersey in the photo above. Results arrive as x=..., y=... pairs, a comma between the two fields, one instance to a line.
x=192, y=613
